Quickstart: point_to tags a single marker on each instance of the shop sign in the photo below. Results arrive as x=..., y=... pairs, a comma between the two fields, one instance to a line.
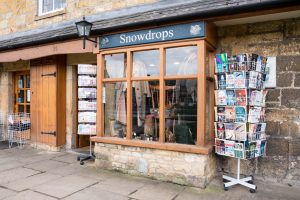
x=162, y=34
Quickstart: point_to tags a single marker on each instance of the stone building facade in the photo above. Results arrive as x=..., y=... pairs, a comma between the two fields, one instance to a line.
x=280, y=38
x=21, y=15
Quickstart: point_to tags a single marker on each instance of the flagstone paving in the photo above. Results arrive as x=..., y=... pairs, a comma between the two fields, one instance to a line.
x=40, y=175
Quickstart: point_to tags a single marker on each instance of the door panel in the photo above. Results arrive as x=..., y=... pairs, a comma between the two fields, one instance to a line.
x=44, y=101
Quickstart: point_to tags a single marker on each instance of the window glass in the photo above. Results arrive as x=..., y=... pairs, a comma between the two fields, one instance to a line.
x=115, y=105
x=21, y=81
x=21, y=96
x=27, y=81
x=145, y=106
x=48, y=6
x=181, y=60
x=115, y=65
x=181, y=111
x=145, y=63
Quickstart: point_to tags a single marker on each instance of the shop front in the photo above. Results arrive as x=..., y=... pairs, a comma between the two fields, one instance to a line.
x=155, y=102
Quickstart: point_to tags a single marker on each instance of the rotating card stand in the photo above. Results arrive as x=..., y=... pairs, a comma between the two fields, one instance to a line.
x=253, y=142
x=86, y=106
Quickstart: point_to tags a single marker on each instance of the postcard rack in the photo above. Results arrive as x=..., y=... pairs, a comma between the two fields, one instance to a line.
x=86, y=105
x=240, y=111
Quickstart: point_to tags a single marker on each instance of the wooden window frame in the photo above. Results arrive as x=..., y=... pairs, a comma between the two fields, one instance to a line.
x=202, y=146
x=16, y=89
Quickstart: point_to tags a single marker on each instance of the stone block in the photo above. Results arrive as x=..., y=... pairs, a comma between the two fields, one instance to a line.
x=272, y=168
x=297, y=80
x=268, y=49
x=284, y=79
x=281, y=114
x=292, y=28
x=273, y=128
x=288, y=63
x=236, y=30
x=289, y=48
x=277, y=147
x=273, y=95
x=289, y=128
x=266, y=27
x=290, y=98
x=294, y=147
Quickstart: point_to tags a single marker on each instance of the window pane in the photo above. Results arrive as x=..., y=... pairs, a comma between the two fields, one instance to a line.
x=145, y=63
x=27, y=108
x=58, y=4
x=47, y=5
x=20, y=108
x=181, y=60
x=27, y=81
x=145, y=117
x=115, y=65
x=181, y=111
x=115, y=102
x=20, y=96
x=21, y=81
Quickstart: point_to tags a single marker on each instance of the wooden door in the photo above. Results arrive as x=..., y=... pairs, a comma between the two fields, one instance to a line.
x=45, y=126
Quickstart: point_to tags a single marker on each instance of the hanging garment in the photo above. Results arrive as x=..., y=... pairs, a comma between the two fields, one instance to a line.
x=121, y=102
x=142, y=90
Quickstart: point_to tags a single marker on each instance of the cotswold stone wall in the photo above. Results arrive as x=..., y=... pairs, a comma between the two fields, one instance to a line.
x=280, y=39
x=20, y=15
x=182, y=168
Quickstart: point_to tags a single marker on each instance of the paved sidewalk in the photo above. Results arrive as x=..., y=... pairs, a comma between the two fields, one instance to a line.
x=30, y=174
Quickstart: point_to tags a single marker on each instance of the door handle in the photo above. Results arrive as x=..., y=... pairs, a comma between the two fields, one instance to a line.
x=51, y=74
x=49, y=133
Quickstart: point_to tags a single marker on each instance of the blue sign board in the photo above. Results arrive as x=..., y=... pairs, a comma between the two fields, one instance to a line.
x=162, y=34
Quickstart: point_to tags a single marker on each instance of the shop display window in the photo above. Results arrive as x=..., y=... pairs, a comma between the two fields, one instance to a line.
x=151, y=94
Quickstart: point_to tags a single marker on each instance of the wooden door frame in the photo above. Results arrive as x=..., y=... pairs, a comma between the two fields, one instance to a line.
x=15, y=79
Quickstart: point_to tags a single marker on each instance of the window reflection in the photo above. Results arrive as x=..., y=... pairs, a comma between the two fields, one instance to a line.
x=145, y=106
x=115, y=121
x=145, y=63
x=181, y=111
x=181, y=60
x=115, y=65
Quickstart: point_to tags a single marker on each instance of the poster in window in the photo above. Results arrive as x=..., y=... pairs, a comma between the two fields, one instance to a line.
x=28, y=96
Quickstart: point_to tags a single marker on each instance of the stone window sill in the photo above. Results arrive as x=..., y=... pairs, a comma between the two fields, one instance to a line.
x=156, y=145
x=60, y=12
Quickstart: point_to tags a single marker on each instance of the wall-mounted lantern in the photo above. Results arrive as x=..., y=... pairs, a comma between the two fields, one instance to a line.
x=84, y=29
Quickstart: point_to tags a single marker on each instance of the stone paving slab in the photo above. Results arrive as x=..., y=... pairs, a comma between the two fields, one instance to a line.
x=66, y=170
x=16, y=174
x=65, y=186
x=120, y=185
x=158, y=191
x=31, y=181
x=93, y=193
x=67, y=158
x=29, y=195
x=45, y=165
x=6, y=193
x=10, y=165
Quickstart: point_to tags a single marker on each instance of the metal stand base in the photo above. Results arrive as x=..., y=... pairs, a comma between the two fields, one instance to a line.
x=82, y=158
x=247, y=181
x=91, y=156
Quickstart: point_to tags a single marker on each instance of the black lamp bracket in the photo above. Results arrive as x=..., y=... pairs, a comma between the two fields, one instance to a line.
x=86, y=38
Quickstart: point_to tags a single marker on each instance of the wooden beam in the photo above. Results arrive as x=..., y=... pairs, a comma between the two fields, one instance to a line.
x=207, y=149
x=100, y=112
x=129, y=95
x=67, y=47
x=201, y=94
x=162, y=96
